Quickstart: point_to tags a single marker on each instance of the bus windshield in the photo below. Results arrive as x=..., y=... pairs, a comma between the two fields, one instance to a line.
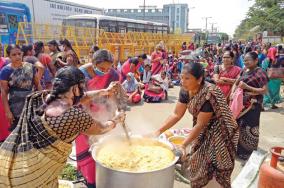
x=213, y=38
x=10, y=15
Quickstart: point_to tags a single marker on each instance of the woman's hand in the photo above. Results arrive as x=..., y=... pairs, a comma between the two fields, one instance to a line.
x=113, y=88
x=223, y=79
x=180, y=150
x=220, y=81
x=10, y=116
x=152, y=134
x=243, y=85
x=109, y=125
x=119, y=117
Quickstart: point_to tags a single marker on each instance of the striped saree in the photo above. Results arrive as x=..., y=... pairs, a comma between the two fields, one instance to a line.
x=32, y=156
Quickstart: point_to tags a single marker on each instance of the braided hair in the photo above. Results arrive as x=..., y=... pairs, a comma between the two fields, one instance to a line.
x=68, y=44
x=65, y=78
x=38, y=47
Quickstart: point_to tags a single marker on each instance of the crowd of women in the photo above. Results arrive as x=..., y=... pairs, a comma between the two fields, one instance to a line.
x=44, y=96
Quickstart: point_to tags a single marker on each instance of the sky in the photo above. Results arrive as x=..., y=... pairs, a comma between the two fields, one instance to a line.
x=226, y=14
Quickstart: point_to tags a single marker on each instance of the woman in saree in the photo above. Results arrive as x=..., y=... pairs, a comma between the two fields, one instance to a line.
x=131, y=65
x=99, y=75
x=226, y=74
x=253, y=81
x=18, y=79
x=55, y=53
x=157, y=89
x=157, y=60
x=214, y=135
x=131, y=86
x=36, y=151
x=46, y=61
x=272, y=97
x=70, y=57
x=4, y=123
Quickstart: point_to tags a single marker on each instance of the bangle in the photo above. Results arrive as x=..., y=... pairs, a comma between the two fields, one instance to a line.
x=112, y=121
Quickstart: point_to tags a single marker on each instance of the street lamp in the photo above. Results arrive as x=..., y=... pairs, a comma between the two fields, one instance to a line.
x=206, y=19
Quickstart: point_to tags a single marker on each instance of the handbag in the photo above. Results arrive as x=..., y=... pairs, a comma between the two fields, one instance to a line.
x=275, y=72
x=236, y=105
x=154, y=87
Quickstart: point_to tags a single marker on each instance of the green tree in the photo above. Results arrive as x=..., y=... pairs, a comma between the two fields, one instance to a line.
x=265, y=15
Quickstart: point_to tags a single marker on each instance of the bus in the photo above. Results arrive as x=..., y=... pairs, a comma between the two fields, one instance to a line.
x=213, y=38
x=10, y=15
x=115, y=24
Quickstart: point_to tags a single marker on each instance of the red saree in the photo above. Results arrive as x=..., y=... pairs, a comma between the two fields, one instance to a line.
x=85, y=163
x=231, y=73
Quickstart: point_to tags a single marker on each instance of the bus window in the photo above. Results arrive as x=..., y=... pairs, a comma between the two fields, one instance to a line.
x=122, y=26
x=159, y=29
x=3, y=24
x=150, y=29
x=81, y=23
x=108, y=25
x=165, y=29
x=122, y=29
x=131, y=27
x=140, y=27
x=10, y=15
x=13, y=22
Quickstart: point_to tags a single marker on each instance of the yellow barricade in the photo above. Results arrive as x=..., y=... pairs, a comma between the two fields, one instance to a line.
x=121, y=45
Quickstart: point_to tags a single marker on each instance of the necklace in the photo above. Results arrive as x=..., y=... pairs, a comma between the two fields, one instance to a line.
x=16, y=65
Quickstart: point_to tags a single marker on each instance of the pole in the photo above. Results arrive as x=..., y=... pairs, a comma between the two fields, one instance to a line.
x=212, y=26
x=33, y=11
x=206, y=19
x=144, y=7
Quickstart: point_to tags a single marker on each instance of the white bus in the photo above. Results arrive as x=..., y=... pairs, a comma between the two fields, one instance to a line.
x=115, y=24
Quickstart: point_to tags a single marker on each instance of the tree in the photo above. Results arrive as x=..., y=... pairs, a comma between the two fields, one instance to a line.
x=267, y=15
x=224, y=37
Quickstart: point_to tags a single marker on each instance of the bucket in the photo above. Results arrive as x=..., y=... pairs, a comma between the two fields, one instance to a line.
x=276, y=153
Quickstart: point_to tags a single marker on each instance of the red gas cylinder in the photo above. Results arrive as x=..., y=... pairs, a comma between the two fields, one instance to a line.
x=269, y=175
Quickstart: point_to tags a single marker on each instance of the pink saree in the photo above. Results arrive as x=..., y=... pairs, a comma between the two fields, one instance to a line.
x=157, y=67
x=4, y=124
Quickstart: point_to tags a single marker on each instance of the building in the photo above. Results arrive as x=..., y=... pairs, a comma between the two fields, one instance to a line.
x=151, y=13
x=178, y=16
x=175, y=15
x=54, y=11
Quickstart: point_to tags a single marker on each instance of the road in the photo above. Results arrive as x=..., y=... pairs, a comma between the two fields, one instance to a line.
x=147, y=117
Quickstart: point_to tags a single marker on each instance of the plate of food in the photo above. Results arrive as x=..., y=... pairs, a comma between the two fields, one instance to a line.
x=175, y=136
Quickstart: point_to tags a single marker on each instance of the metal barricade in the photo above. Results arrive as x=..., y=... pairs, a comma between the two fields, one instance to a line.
x=121, y=45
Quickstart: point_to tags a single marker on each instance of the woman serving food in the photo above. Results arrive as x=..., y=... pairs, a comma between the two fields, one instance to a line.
x=214, y=136
x=36, y=151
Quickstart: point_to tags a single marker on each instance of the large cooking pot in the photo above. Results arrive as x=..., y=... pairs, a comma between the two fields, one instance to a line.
x=110, y=178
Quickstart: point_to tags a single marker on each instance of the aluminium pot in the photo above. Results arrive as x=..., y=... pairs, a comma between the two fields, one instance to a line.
x=110, y=178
